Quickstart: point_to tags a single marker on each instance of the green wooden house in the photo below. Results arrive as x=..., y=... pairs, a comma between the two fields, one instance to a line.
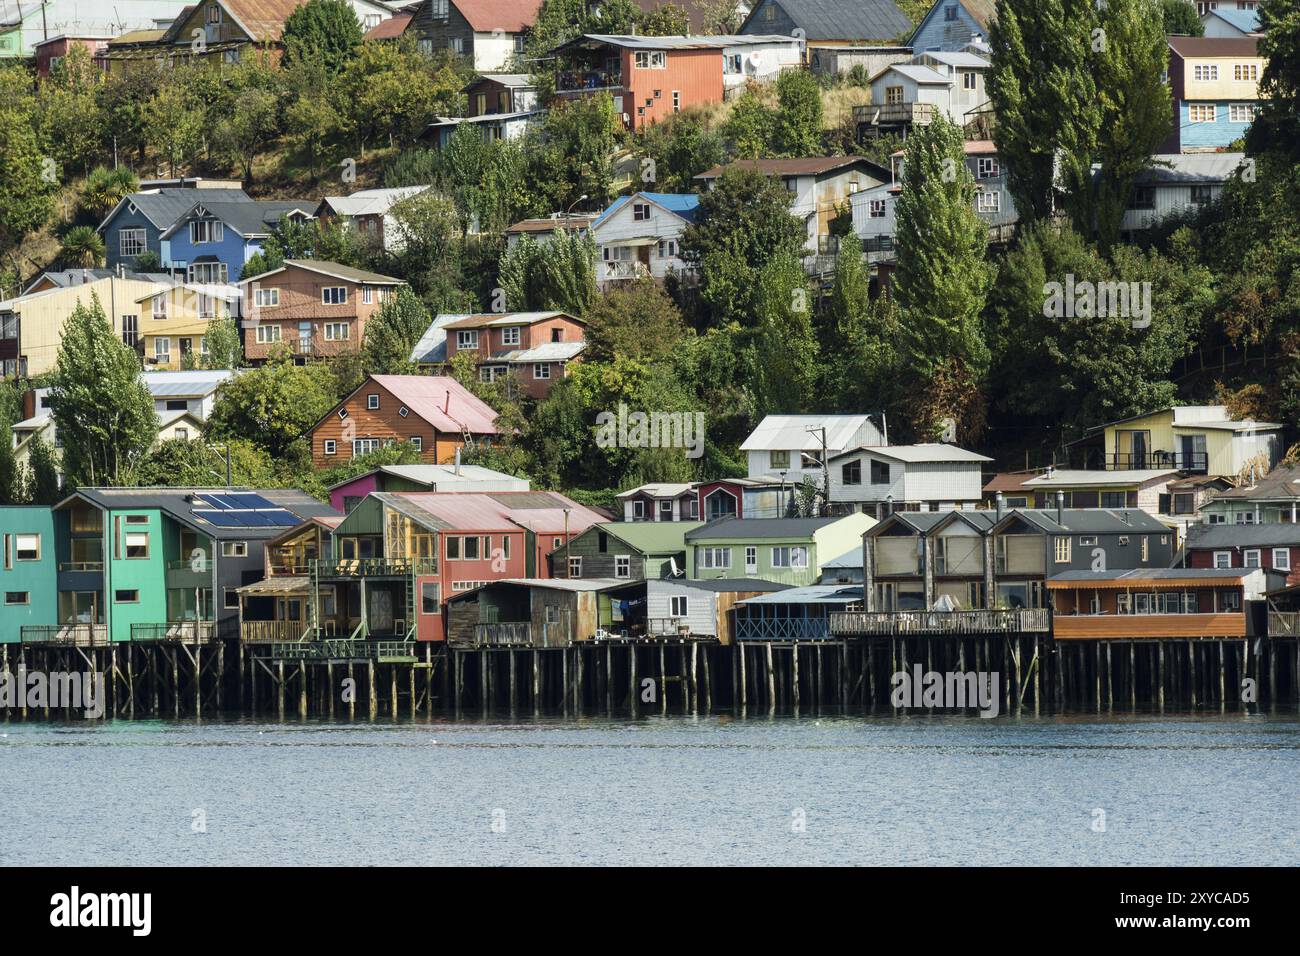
x=27, y=572
x=626, y=551
x=784, y=550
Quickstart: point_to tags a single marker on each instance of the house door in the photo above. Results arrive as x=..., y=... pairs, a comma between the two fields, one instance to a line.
x=1139, y=450
x=643, y=257
x=380, y=610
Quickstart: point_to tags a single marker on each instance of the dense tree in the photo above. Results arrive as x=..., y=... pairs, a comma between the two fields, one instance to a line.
x=558, y=273
x=252, y=118
x=28, y=177
x=322, y=31
x=785, y=350
x=11, y=479
x=636, y=320
x=1277, y=127
x=271, y=406
x=743, y=223
x=797, y=125
x=861, y=335
x=680, y=148
x=195, y=463
x=42, y=473
x=391, y=334
x=942, y=277
x=751, y=126
x=1178, y=18
x=223, y=347
x=103, y=412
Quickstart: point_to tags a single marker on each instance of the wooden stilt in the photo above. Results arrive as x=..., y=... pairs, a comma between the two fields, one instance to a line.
x=771, y=680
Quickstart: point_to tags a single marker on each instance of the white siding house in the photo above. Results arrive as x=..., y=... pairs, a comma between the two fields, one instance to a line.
x=951, y=83
x=788, y=447
x=929, y=477
x=1178, y=183
x=641, y=235
x=758, y=58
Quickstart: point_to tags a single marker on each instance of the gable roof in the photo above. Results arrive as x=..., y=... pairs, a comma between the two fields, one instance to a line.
x=1206, y=536
x=1087, y=478
x=1281, y=482
x=1177, y=169
x=439, y=400
x=684, y=206
x=917, y=454
x=335, y=270
x=850, y=20
x=808, y=166
x=482, y=320
x=182, y=504
x=432, y=347
x=512, y=16
x=542, y=512
x=263, y=20
x=163, y=207
x=777, y=529
x=369, y=202
x=252, y=217
x=790, y=432
x=185, y=384
x=1247, y=21
x=1084, y=521
x=431, y=476
x=651, y=537
x=392, y=28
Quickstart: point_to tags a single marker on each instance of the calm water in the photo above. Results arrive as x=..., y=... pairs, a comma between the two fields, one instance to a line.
x=1186, y=790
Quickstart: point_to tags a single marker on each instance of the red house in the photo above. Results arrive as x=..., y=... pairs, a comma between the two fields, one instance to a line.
x=1273, y=547
x=536, y=346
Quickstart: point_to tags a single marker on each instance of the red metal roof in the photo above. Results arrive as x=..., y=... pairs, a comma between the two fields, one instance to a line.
x=512, y=16
x=441, y=401
x=390, y=29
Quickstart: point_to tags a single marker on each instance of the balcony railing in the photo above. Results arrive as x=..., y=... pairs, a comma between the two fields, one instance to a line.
x=1284, y=623
x=889, y=114
x=340, y=650
x=782, y=629
x=290, y=570
x=1197, y=461
x=72, y=635
x=262, y=631
x=1017, y=621
x=182, y=632
x=81, y=566
x=188, y=564
x=578, y=81
x=667, y=627
x=504, y=632
x=374, y=567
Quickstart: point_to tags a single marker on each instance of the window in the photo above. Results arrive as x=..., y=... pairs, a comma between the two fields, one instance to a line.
x=1087, y=541
x=542, y=370
x=1282, y=559
x=1250, y=558
x=453, y=549
x=208, y=272
x=27, y=547
x=1242, y=112
x=234, y=549
x=880, y=473
x=677, y=101
x=575, y=567
x=131, y=329
x=651, y=60
x=438, y=9
x=126, y=597
x=851, y=473
x=266, y=334
x=364, y=446
x=1230, y=600
x=183, y=434
x=622, y=566
x=667, y=248
x=969, y=81
x=876, y=209
x=417, y=443
x=214, y=13
x=456, y=44
x=1244, y=517
x=677, y=605
x=789, y=557
x=988, y=200
x=130, y=242
x=510, y=336
x=987, y=168
x=17, y=597
x=1245, y=71
x=1063, y=549
x=336, y=331
x=950, y=13
x=430, y=597
x=1146, y=548
x=751, y=560
x=367, y=295
x=893, y=95
x=1114, y=499
x=732, y=63
x=334, y=295
x=372, y=402
x=331, y=446
x=206, y=230
x=1205, y=71
x=467, y=339
x=779, y=459
x=1201, y=113
x=137, y=544
x=1223, y=559
x=162, y=349
x=470, y=548
x=266, y=298
x=640, y=211
x=714, y=558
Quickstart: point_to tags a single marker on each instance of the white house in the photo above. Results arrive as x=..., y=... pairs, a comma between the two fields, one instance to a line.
x=928, y=477
x=193, y=392
x=641, y=234
x=789, y=447
x=370, y=212
x=951, y=83
x=874, y=209
x=1231, y=22
x=759, y=58
x=491, y=126
x=819, y=187
x=1178, y=183
x=489, y=33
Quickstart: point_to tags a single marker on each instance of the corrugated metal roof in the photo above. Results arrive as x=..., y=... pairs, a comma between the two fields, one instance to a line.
x=917, y=454
x=812, y=594
x=807, y=166
x=775, y=528
x=1078, y=477
x=790, y=432
x=432, y=347
x=1176, y=168
x=683, y=205
x=180, y=504
x=1204, y=537
x=1282, y=482
x=185, y=384
x=726, y=585
x=1214, y=46
x=539, y=511
x=1210, y=575
x=844, y=20
x=163, y=207
x=372, y=202
x=549, y=352
x=1247, y=21
x=441, y=401
x=651, y=537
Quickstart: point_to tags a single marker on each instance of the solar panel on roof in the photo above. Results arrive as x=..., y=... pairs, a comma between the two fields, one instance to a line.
x=222, y=519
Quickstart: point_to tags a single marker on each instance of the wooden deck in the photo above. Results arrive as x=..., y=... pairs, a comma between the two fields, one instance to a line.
x=1015, y=621
x=1092, y=627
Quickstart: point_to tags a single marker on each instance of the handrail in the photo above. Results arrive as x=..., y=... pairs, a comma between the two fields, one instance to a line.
x=1002, y=621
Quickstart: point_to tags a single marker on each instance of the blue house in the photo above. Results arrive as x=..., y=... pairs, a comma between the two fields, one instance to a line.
x=137, y=223
x=1214, y=85
x=953, y=25
x=212, y=240
x=27, y=575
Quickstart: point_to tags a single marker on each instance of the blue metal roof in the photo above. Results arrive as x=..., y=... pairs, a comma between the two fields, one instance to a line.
x=1247, y=21
x=683, y=205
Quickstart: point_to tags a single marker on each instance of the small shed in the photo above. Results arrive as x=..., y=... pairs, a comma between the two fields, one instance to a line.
x=678, y=607
x=541, y=612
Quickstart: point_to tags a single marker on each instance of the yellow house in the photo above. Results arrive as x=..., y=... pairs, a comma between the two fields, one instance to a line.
x=1200, y=439
x=31, y=326
x=173, y=320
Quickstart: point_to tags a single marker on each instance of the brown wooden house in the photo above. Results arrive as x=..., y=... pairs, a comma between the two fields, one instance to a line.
x=436, y=414
x=535, y=346
x=311, y=308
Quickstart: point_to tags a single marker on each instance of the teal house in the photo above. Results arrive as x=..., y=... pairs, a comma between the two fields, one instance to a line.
x=782, y=550
x=27, y=572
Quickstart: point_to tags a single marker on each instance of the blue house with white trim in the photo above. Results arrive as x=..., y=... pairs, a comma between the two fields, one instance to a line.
x=213, y=240
x=137, y=223
x=953, y=25
x=1214, y=85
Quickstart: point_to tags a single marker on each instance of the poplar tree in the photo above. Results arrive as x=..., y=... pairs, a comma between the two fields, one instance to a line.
x=392, y=332
x=102, y=410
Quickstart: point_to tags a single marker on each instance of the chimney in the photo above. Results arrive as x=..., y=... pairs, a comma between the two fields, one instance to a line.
x=1060, y=507
x=446, y=404
x=458, y=461
x=1001, y=503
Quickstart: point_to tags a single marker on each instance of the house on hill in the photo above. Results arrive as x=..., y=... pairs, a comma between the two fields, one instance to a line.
x=437, y=415
x=954, y=25
x=641, y=234
x=488, y=33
